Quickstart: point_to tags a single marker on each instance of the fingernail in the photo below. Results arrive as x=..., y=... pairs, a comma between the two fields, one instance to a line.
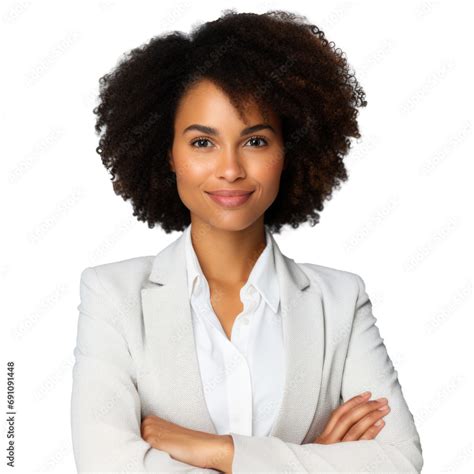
x=385, y=408
x=378, y=423
x=364, y=394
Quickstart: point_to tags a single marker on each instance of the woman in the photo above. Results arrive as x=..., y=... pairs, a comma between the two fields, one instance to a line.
x=220, y=353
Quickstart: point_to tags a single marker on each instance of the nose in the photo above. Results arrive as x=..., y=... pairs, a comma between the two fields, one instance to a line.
x=229, y=165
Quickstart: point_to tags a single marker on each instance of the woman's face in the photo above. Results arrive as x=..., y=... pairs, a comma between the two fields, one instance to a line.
x=212, y=150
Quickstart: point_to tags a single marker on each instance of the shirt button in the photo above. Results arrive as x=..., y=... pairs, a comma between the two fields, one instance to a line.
x=245, y=321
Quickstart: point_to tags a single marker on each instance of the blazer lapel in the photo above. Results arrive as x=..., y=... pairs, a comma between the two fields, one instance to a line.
x=303, y=335
x=169, y=342
x=170, y=345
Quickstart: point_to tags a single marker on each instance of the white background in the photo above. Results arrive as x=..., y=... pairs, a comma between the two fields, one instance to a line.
x=401, y=221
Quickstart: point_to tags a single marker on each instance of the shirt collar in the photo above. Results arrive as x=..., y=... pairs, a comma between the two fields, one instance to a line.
x=262, y=276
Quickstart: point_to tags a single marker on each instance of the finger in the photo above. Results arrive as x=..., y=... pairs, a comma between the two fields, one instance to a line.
x=359, y=428
x=344, y=408
x=373, y=431
x=356, y=414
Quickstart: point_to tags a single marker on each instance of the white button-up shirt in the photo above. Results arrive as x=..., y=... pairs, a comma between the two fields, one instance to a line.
x=243, y=378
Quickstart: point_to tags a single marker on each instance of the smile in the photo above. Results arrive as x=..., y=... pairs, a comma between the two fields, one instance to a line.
x=230, y=201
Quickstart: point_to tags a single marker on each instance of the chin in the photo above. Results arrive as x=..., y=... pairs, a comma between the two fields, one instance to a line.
x=232, y=224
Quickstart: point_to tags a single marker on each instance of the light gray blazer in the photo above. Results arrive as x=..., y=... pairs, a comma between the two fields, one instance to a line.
x=136, y=356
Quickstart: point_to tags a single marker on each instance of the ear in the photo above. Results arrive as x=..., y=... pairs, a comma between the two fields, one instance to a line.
x=171, y=162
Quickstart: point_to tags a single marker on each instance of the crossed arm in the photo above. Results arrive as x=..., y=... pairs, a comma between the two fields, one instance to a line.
x=109, y=435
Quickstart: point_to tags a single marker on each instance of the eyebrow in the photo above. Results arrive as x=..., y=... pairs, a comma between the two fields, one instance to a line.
x=214, y=131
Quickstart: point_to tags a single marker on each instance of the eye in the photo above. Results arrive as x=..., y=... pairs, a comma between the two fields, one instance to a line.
x=200, y=139
x=257, y=137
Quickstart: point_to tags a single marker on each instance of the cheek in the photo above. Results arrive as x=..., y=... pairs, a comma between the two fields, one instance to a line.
x=268, y=175
x=190, y=172
x=189, y=169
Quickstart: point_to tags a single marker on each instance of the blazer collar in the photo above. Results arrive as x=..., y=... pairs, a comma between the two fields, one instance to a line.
x=171, y=351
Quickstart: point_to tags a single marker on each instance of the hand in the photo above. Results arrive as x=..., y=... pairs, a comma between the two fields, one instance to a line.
x=198, y=448
x=354, y=420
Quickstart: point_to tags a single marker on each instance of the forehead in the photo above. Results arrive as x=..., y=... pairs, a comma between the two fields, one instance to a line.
x=205, y=102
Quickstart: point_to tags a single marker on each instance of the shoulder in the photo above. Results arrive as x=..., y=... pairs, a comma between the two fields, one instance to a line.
x=343, y=292
x=333, y=281
x=121, y=276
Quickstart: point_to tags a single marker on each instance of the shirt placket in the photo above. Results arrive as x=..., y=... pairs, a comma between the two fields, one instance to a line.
x=239, y=385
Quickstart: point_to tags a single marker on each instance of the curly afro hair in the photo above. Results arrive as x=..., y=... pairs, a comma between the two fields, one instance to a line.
x=276, y=59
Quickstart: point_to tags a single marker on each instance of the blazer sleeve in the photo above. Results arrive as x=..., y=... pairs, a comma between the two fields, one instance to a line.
x=105, y=404
x=396, y=448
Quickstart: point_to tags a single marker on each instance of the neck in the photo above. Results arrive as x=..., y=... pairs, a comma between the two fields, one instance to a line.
x=227, y=256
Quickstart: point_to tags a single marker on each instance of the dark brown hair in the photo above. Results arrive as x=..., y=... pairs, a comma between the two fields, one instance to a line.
x=278, y=60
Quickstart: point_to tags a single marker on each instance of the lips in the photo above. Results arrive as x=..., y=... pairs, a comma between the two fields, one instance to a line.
x=230, y=199
x=228, y=192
